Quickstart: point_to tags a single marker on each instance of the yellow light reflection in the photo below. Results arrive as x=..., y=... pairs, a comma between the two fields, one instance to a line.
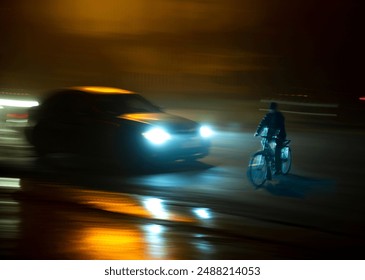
x=119, y=204
x=145, y=207
x=108, y=243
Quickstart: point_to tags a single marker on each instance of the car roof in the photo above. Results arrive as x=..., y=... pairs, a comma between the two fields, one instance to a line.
x=101, y=90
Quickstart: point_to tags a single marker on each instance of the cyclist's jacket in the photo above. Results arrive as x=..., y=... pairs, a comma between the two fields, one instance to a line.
x=275, y=122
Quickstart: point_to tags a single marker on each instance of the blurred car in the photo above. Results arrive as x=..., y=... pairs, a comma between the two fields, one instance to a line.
x=113, y=123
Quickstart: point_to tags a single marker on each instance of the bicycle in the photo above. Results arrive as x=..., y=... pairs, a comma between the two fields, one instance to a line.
x=262, y=163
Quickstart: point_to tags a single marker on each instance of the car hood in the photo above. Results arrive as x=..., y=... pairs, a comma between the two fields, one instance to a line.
x=168, y=121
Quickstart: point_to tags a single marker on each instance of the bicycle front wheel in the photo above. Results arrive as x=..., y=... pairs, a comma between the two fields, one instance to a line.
x=257, y=169
x=286, y=160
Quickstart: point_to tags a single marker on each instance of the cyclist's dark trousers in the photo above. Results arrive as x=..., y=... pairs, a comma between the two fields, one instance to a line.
x=279, y=146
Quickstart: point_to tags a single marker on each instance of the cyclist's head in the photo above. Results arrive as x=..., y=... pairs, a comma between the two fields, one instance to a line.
x=273, y=106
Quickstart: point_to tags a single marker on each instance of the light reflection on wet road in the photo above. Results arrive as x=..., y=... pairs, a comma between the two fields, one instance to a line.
x=204, y=211
x=88, y=225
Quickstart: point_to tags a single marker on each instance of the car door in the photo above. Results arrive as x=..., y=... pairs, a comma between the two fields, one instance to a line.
x=76, y=124
x=63, y=123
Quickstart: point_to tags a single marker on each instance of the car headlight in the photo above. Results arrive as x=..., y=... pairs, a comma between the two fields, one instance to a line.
x=205, y=131
x=157, y=136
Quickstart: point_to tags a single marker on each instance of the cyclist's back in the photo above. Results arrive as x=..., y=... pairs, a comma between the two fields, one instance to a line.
x=274, y=121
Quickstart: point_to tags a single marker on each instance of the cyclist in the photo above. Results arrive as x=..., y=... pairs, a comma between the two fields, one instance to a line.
x=274, y=121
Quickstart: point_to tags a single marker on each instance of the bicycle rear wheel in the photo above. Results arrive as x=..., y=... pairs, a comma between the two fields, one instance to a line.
x=286, y=160
x=257, y=169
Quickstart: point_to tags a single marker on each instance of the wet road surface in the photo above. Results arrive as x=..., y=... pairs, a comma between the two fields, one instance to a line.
x=203, y=210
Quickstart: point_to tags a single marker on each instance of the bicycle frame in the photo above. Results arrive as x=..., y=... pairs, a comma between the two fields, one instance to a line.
x=262, y=163
x=268, y=147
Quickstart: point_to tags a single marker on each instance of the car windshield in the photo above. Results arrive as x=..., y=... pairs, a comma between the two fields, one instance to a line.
x=118, y=104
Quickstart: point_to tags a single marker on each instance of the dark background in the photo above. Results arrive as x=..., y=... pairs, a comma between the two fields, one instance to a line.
x=226, y=47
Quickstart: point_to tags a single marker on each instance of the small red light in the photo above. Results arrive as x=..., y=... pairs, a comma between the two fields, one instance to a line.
x=17, y=116
x=362, y=98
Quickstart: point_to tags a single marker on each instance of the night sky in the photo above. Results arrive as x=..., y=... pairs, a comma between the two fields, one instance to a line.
x=278, y=43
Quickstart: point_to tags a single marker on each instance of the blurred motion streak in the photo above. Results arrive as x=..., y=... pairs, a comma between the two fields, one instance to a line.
x=14, y=106
x=131, y=205
x=113, y=243
x=141, y=16
x=183, y=46
x=18, y=103
x=156, y=240
x=9, y=182
x=156, y=208
x=305, y=108
x=117, y=204
x=91, y=238
x=161, y=46
x=202, y=213
x=144, y=207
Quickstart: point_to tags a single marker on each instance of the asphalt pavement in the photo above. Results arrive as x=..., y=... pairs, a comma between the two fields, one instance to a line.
x=63, y=208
